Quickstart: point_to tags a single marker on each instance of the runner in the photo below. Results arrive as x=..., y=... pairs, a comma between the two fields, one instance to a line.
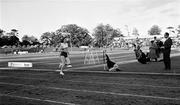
x=64, y=56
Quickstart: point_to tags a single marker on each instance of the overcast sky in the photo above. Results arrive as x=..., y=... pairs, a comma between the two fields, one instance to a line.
x=34, y=17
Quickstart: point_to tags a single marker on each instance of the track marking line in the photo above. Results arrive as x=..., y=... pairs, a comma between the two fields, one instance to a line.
x=90, y=71
x=42, y=57
x=97, y=92
x=36, y=99
x=101, y=65
x=82, y=60
x=93, y=82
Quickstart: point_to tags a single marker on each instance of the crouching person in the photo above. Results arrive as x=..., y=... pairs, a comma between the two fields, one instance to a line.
x=112, y=66
x=140, y=56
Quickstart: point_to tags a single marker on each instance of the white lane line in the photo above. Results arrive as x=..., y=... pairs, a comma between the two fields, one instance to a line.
x=36, y=99
x=94, y=82
x=57, y=54
x=82, y=60
x=97, y=92
x=85, y=67
x=121, y=62
x=80, y=70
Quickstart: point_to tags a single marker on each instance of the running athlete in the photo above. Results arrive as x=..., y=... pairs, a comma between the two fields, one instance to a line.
x=64, y=56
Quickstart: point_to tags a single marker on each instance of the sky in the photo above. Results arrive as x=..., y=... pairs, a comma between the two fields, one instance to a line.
x=34, y=17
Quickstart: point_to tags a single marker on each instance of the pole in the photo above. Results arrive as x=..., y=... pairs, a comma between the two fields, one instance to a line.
x=103, y=52
x=70, y=42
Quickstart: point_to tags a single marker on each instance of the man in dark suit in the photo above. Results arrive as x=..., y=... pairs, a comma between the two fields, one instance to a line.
x=167, y=51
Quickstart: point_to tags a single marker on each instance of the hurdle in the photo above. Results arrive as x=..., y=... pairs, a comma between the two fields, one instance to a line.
x=104, y=59
x=91, y=57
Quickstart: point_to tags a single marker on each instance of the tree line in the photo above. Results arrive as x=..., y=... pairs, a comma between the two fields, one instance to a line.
x=78, y=36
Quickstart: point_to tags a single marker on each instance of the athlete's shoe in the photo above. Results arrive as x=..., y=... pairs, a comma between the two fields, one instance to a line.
x=61, y=73
x=69, y=65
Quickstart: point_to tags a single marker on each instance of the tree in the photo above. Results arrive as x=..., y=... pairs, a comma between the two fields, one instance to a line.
x=135, y=32
x=104, y=34
x=47, y=38
x=13, y=32
x=14, y=40
x=26, y=40
x=33, y=40
x=100, y=35
x=4, y=40
x=117, y=33
x=178, y=29
x=78, y=36
x=25, y=37
x=10, y=38
x=155, y=30
x=1, y=33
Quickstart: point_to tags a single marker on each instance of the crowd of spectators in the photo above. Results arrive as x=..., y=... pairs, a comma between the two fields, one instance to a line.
x=143, y=42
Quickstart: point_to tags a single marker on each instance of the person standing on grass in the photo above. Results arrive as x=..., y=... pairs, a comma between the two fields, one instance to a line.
x=152, y=51
x=64, y=56
x=157, y=43
x=166, y=51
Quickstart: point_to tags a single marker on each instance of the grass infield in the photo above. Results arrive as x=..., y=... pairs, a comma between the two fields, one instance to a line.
x=136, y=84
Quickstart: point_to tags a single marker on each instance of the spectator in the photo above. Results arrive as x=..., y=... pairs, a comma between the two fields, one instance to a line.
x=152, y=51
x=167, y=51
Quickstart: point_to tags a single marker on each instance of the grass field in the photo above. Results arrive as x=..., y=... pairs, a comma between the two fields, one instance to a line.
x=89, y=84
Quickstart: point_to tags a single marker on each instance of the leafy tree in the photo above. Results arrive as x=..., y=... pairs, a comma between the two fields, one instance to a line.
x=13, y=32
x=155, y=30
x=117, y=33
x=78, y=36
x=135, y=32
x=33, y=40
x=104, y=34
x=47, y=38
x=26, y=40
x=9, y=38
x=13, y=40
x=1, y=33
x=1, y=41
x=25, y=37
x=4, y=40
x=178, y=29
x=100, y=35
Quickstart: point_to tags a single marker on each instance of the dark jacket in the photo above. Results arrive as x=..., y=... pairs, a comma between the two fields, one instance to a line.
x=110, y=64
x=167, y=44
